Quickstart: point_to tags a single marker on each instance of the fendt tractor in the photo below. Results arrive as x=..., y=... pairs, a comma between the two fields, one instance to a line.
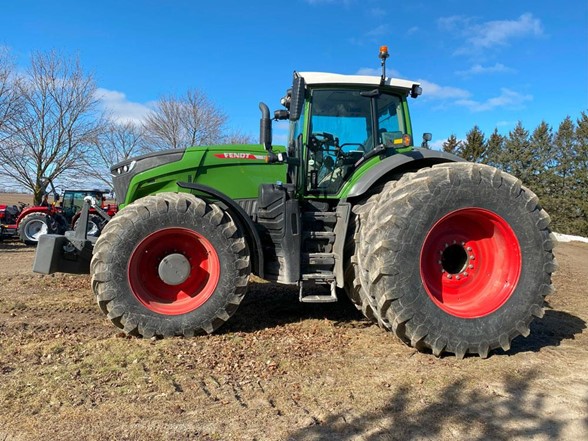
x=451, y=256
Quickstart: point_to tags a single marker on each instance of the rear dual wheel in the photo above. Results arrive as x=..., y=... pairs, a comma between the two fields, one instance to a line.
x=170, y=264
x=456, y=258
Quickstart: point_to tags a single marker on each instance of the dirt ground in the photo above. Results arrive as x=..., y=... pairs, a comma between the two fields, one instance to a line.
x=279, y=370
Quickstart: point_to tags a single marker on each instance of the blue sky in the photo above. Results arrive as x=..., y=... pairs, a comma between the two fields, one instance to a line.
x=490, y=63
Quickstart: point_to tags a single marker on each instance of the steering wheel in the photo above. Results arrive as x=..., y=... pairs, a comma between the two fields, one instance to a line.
x=319, y=139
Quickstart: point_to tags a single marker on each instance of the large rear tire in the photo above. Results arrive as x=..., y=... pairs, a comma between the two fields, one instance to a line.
x=170, y=264
x=457, y=258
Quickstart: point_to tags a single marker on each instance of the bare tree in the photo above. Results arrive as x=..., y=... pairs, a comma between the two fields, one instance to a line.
x=10, y=102
x=179, y=122
x=56, y=124
x=116, y=142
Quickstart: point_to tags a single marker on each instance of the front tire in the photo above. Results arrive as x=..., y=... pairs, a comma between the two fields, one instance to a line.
x=170, y=264
x=32, y=226
x=457, y=258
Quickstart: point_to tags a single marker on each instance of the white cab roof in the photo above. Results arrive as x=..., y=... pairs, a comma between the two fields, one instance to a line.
x=331, y=78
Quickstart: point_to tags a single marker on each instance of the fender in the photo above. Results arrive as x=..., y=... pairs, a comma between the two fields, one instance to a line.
x=241, y=218
x=418, y=157
x=33, y=209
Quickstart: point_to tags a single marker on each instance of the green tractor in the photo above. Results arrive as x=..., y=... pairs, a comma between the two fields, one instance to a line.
x=451, y=256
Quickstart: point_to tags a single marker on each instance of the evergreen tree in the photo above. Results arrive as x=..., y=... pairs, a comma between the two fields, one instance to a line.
x=452, y=145
x=563, y=196
x=542, y=159
x=564, y=152
x=474, y=146
x=581, y=173
x=494, y=150
x=518, y=155
x=582, y=143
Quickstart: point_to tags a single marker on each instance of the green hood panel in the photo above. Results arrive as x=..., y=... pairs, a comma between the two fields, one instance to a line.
x=235, y=170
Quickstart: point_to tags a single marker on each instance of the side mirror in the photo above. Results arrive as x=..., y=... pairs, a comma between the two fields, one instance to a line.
x=426, y=138
x=297, y=99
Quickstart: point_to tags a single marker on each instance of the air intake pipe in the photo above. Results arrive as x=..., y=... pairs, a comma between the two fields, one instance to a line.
x=265, y=127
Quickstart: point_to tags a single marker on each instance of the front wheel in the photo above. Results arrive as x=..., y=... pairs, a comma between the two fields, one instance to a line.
x=32, y=226
x=170, y=264
x=457, y=258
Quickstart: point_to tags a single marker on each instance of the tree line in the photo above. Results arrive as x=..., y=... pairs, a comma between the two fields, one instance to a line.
x=52, y=127
x=552, y=164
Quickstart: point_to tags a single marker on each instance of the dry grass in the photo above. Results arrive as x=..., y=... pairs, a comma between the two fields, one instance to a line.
x=278, y=370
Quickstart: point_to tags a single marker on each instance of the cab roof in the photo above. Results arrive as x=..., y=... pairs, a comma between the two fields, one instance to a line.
x=318, y=78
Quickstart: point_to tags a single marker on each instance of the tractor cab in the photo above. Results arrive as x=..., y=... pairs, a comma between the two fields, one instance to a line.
x=339, y=122
x=73, y=201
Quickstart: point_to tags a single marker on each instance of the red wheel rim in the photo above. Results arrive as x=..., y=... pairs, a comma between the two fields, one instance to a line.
x=470, y=262
x=200, y=281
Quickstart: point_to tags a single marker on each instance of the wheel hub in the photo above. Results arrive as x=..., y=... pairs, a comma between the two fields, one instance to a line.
x=470, y=262
x=174, y=269
x=454, y=259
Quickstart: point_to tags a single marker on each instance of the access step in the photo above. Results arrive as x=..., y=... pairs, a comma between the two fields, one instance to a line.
x=318, y=259
x=318, y=298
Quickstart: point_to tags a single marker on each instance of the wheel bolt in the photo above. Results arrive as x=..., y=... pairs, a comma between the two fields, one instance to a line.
x=449, y=276
x=469, y=248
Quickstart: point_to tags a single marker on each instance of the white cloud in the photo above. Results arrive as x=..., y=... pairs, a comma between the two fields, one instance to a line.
x=490, y=34
x=497, y=33
x=447, y=95
x=119, y=108
x=478, y=69
x=434, y=91
x=508, y=99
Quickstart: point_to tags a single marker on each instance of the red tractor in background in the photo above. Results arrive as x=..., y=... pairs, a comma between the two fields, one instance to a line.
x=30, y=222
x=8, y=217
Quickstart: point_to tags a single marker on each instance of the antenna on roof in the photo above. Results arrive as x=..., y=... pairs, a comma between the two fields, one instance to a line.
x=383, y=56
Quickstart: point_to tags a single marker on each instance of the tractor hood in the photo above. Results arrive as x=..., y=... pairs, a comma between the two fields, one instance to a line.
x=123, y=172
x=235, y=170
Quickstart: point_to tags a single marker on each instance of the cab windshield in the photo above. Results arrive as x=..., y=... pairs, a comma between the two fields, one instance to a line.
x=345, y=125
